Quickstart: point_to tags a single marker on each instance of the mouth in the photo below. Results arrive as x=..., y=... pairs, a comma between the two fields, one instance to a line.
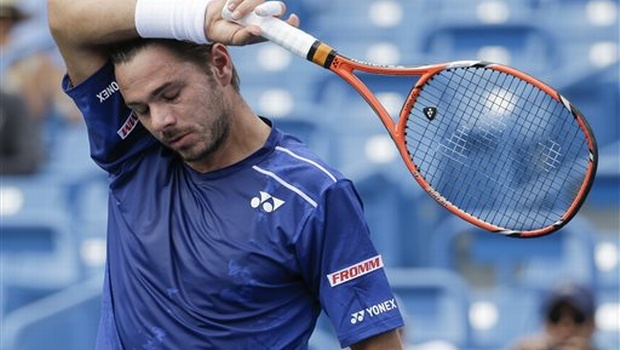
x=178, y=141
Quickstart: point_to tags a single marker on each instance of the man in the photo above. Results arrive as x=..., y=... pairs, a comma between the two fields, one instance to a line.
x=20, y=138
x=20, y=133
x=569, y=323
x=223, y=232
x=30, y=67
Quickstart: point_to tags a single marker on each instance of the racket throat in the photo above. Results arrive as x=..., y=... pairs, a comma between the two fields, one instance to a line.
x=321, y=54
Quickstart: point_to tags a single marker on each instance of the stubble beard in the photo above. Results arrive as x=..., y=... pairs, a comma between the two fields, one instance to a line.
x=219, y=134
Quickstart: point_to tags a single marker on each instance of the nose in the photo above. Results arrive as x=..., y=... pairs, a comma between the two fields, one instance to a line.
x=162, y=118
x=566, y=327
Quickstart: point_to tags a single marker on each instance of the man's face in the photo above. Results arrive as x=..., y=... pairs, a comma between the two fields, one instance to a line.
x=567, y=325
x=6, y=25
x=176, y=101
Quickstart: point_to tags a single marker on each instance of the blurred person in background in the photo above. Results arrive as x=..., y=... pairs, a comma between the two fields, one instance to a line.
x=20, y=135
x=569, y=321
x=32, y=66
x=20, y=142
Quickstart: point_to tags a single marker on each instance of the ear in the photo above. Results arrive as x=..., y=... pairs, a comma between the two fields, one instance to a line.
x=221, y=64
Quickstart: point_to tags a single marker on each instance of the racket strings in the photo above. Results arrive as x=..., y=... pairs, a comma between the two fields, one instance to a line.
x=470, y=106
x=498, y=142
x=487, y=137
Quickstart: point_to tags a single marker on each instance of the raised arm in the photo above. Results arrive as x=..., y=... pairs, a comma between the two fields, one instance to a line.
x=82, y=29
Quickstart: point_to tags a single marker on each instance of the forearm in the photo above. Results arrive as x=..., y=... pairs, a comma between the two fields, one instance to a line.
x=386, y=341
x=91, y=23
x=81, y=29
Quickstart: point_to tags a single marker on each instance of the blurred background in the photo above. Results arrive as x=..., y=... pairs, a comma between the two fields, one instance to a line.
x=456, y=285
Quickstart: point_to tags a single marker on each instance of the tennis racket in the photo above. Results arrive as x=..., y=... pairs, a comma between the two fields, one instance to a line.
x=493, y=145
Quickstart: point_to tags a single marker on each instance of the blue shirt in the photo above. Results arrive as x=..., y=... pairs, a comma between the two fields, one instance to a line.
x=244, y=257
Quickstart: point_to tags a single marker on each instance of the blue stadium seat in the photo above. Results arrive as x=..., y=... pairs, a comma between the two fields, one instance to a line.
x=607, y=289
x=308, y=131
x=491, y=260
x=596, y=93
x=582, y=20
x=350, y=121
x=363, y=30
x=70, y=154
x=87, y=199
x=434, y=303
x=279, y=86
x=508, y=275
x=586, y=33
x=38, y=251
x=608, y=261
x=605, y=193
x=66, y=320
x=522, y=46
x=608, y=322
x=398, y=213
x=486, y=11
x=501, y=315
x=373, y=14
x=307, y=10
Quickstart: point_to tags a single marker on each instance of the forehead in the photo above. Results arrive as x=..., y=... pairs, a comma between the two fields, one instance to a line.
x=152, y=54
x=152, y=63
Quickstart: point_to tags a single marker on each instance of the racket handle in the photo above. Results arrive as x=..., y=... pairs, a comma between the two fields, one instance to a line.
x=275, y=30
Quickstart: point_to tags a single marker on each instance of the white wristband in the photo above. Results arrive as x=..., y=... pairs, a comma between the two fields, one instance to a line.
x=172, y=19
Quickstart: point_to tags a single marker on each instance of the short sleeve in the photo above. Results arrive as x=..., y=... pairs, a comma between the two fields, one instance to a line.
x=344, y=269
x=115, y=134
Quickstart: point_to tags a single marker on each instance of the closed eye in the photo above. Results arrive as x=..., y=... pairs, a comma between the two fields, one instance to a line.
x=139, y=110
x=170, y=97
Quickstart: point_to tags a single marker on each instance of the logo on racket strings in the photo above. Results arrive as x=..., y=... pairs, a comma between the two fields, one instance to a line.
x=430, y=112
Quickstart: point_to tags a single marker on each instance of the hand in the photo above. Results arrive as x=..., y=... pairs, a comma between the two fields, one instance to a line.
x=226, y=32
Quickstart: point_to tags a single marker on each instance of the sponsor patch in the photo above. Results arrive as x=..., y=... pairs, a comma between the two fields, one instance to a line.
x=375, y=310
x=128, y=126
x=354, y=271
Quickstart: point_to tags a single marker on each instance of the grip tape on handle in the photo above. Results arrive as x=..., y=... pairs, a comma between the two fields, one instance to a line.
x=277, y=31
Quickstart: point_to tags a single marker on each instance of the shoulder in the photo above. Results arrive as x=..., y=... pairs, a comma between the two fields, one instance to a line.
x=297, y=168
x=101, y=77
x=297, y=163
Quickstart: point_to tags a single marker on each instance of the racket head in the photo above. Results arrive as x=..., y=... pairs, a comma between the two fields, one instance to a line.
x=497, y=147
x=536, y=154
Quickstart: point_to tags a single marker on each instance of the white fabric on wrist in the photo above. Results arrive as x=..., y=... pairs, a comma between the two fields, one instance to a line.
x=172, y=19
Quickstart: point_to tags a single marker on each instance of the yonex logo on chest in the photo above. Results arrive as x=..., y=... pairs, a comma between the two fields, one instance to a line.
x=266, y=202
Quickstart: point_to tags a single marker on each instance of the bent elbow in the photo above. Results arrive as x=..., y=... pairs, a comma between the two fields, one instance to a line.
x=56, y=13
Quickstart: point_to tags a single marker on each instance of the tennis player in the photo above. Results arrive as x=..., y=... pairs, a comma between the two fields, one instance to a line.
x=223, y=231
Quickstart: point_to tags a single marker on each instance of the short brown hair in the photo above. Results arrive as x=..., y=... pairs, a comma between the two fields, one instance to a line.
x=186, y=50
